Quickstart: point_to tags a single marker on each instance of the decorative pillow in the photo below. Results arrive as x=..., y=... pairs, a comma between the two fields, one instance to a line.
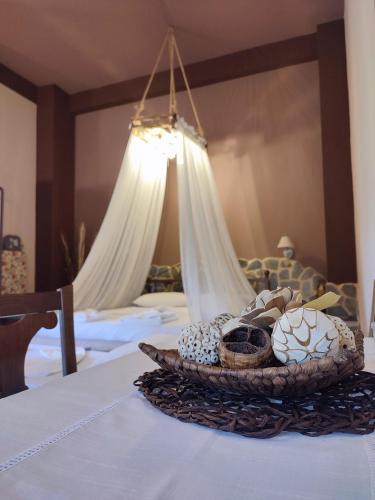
x=161, y=299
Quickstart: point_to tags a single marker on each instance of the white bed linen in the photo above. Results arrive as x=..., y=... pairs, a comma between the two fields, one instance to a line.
x=39, y=372
x=110, y=443
x=114, y=327
x=43, y=374
x=44, y=360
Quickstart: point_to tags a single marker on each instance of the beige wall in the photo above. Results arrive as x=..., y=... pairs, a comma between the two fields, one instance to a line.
x=18, y=170
x=265, y=148
x=360, y=41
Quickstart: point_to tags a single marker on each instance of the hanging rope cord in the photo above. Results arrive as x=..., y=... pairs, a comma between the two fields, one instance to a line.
x=141, y=105
x=172, y=48
x=172, y=84
x=193, y=107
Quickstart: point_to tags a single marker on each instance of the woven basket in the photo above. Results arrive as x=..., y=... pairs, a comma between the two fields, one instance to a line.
x=292, y=380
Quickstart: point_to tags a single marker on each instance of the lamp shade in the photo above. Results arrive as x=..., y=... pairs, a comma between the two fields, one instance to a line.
x=285, y=242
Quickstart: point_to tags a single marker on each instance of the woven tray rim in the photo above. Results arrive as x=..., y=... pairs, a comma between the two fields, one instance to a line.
x=323, y=364
x=334, y=369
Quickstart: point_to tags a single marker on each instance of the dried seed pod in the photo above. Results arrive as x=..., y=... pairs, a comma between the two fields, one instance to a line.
x=199, y=341
x=245, y=347
x=346, y=336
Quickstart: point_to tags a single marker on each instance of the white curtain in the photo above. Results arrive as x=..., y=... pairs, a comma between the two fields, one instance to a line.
x=360, y=49
x=116, y=269
x=211, y=275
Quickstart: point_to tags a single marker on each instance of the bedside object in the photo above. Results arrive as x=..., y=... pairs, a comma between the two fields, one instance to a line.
x=287, y=247
x=12, y=242
x=14, y=274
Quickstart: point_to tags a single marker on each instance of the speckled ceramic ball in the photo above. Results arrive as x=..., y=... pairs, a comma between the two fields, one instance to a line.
x=346, y=336
x=303, y=334
x=199, y=341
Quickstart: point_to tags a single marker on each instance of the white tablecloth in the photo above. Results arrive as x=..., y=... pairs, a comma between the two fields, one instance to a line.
x=93, y=436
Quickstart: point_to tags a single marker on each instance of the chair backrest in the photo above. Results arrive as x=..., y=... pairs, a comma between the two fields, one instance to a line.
x=33, y=311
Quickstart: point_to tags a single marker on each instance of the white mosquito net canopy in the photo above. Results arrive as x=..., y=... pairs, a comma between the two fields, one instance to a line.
x=116, y=269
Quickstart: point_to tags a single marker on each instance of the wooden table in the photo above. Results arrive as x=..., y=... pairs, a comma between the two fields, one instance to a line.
x=91, y=436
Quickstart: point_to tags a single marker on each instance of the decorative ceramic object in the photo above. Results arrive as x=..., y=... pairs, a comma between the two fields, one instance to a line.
x=303, y=334
x=346, y=336
x=282, y=296
x=199, y=341
x=265, y=309
x=245, y=348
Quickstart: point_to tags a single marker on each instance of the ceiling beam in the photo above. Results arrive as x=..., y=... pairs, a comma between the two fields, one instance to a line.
x=239, y=64
x=18, y=83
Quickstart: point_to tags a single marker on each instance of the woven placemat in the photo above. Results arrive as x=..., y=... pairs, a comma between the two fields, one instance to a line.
x=347, y=407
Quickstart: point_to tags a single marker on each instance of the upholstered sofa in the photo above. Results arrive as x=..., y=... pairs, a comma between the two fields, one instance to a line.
x=270, y=272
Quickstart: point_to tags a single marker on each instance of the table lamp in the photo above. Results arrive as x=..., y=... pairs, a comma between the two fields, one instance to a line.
x=287, y=247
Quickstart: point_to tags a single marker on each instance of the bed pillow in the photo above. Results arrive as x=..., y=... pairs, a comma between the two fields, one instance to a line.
x=162, y=299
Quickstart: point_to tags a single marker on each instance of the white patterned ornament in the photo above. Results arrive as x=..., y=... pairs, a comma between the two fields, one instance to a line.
x=199, y=341
x=303, y=334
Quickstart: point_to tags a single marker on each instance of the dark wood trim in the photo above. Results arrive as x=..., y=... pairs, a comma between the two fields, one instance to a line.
x=247, y=62
x=33, y=311
x=40, y=303
x=29, y=303
x=337, y=173
x=15, y=338
x=66, y=322
x=17, y=83
x=55, y=186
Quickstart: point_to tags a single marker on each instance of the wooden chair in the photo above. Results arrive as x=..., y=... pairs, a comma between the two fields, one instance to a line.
x=23, y=316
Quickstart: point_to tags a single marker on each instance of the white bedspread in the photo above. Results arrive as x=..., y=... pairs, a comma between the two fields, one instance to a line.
x=92, y=435
x=125, y=324
x=44, y=360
